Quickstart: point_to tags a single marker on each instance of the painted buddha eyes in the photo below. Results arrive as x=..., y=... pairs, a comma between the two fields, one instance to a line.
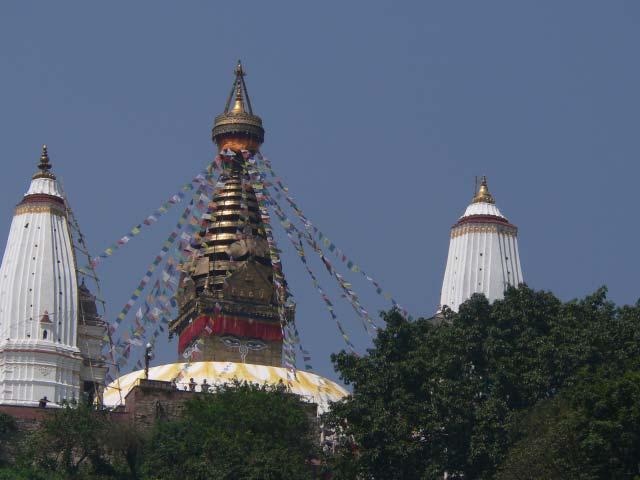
x=230, y=341
x=234, y=342
x=256, y=345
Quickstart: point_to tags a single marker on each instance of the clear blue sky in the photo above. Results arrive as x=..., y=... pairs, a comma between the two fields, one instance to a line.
x=378, y=116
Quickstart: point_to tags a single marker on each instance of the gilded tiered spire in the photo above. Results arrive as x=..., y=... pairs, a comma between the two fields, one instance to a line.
x=228, y=303
x=483, y=195
x=44, y=166
x=233, y=235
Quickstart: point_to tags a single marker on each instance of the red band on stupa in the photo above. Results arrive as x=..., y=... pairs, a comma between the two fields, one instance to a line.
x=41, y=198
x=484, y=219
x=221, y=324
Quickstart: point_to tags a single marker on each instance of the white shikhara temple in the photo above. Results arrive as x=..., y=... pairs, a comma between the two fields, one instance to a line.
x=40, y=325
x=483, y=253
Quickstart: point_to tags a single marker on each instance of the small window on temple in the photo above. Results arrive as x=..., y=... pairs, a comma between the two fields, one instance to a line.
x=44, y=335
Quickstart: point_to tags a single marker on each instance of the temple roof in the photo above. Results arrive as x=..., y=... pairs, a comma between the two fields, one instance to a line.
x=46, y=186
x=483, y=203
x=482, y=209
x=88, y=309
x=44, y=182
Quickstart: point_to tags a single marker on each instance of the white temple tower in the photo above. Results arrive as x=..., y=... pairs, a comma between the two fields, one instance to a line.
x=483, y=253
x=39, y=299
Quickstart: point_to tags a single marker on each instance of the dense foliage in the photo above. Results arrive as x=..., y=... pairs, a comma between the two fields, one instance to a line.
x=74, y=442
x=528, y=381
x=527, y=388
x=242, y=431
x=590, y=431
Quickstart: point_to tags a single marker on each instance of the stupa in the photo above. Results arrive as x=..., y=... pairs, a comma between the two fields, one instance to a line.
x=232, y=299
x=227, y=298
x=483, y=253
x=40, y=308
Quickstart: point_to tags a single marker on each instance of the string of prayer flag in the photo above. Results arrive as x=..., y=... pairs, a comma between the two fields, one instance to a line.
x=150, y=219
x=350, y=295
x=263, y=196
x=158, y=259
x=264, y=165
x=283, y=294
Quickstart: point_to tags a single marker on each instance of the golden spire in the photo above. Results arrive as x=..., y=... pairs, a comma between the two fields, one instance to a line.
x=483, y=195
x=44, y=166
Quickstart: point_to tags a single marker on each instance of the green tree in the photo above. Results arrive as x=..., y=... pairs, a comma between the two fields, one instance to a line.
x=242, y=431
x=28, y=473
x=125, y=444
x=588, y=432
x=69, y=442
x=8, y=436
x=430, y=398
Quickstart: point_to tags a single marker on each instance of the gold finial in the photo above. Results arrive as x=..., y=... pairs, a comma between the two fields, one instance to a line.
x=238, y=106
x=483, y=195
x=44, y=159
x=44, y=166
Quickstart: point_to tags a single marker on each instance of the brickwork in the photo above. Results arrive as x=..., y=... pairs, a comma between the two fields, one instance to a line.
x=153, y=400
x=30, y=418
x=27, y=418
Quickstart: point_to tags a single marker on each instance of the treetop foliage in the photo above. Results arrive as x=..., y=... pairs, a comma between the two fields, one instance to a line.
x=241, y=431
x=527, y=388
x=434, y=397
x=247, y=432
